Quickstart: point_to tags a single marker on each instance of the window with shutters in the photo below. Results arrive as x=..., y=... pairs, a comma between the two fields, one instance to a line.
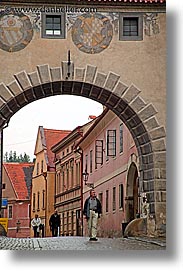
x=98, y=153
x=121, y=138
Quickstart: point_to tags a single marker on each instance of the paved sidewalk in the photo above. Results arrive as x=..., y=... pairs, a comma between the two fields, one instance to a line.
x=78, y=243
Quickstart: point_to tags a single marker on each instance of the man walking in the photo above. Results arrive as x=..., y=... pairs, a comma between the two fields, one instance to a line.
x=54, y=223
x=92, y=211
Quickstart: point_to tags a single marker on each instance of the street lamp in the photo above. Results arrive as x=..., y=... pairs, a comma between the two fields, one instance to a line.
x=85, y=176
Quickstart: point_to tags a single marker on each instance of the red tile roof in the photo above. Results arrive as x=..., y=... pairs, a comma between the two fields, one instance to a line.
x=20, y=175
x=51, y=138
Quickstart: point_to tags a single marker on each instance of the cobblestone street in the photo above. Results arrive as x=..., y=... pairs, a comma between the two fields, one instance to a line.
x=79, y=243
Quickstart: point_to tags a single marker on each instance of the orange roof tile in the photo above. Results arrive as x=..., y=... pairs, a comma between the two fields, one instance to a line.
x=52, y=137
x=20, y=175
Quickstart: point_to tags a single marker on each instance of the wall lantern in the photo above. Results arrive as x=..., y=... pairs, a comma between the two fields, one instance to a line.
x=85, y=176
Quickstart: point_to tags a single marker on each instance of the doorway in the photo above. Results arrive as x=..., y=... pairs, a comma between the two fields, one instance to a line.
x=131, y=199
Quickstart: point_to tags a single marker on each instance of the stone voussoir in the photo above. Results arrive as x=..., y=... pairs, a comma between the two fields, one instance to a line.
x=15, y=88
x=23, y=80
x=147, y=112
x=34, y=78
x=131, y=93
x=100, y=79
x=79, y=74
x=137, y=104
x=5, y=92
x=111, y=81
x=56, y=74
x=44, y=73
x=90, y=73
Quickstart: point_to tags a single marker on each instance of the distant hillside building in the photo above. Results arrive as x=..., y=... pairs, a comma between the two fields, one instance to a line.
x=17, y=182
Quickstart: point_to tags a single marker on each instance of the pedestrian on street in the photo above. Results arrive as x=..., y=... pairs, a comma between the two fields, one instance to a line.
x=54, y=223
x=36, y=222
x=92, y=211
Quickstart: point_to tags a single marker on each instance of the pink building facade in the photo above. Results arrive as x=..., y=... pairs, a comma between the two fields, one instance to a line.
x=110, y=158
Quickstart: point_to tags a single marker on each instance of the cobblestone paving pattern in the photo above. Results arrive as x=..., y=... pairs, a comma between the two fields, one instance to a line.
x=77, y=243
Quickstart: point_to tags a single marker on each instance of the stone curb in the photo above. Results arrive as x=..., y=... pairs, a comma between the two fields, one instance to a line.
x=157, y=242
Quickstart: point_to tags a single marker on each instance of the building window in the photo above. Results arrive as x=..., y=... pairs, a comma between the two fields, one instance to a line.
x=98, y=152
x=91, y=161
x=37, y=172
x=121, y=194
x=53, y=25
x=131, y=26
x=72, y=172
x=43, y=201
x=10, y=211
x=38, y=201
x=111, y=143
x=78, y=173
x=42, y=163
x=4, y=186
x=100, y=197
x=107, y=201
x=34, y=202
x=121, y=138
x=114, y=198
x=63, y=224
x=86, y=163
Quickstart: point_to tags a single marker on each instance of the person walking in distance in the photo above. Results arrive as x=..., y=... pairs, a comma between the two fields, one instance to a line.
x=54, y=223
x=36, y=222
x=92, y=211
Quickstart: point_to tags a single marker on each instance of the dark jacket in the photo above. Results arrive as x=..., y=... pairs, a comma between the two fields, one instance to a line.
x=54, y=221
x=86, y=210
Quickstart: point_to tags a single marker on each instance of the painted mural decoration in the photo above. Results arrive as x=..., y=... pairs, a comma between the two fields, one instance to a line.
x=152, y=24
x=16, y=31
x=92, y=33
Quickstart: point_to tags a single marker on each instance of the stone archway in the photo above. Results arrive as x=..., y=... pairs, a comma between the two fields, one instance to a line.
x=126, y=102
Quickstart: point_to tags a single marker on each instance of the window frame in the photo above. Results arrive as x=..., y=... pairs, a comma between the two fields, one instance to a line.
x=111, y=143
x=62, y=27
x=138, y=37
x=121, y=138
